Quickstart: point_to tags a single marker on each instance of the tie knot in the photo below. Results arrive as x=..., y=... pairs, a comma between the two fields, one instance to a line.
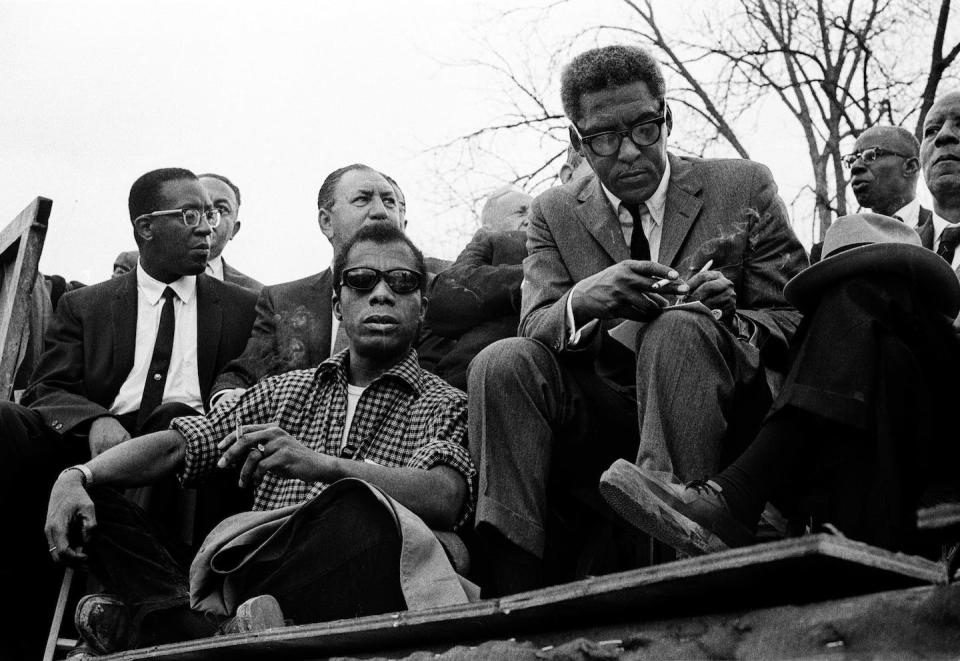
x=637, y=210
x=169, y=294
x=950, y=237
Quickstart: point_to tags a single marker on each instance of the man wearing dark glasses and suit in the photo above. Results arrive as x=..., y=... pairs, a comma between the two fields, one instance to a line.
x=369, y=413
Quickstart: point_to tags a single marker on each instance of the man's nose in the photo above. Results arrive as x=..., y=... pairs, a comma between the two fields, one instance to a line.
x=382, y=294
x=947, y=134
x=629, y=151
x=203, y=227
x=377, y=208
x=858, y=167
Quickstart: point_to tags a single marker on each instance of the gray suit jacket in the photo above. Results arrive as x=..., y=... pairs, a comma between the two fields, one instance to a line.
x=727, y=210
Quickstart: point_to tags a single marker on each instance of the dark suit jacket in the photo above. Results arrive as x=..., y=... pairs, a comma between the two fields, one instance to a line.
x=575, y=233
x=90, y=346
x=235, y=277
x=291, y=332
x=477, y=300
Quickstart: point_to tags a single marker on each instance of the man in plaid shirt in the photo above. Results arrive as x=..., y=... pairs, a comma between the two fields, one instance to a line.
x=369, y=412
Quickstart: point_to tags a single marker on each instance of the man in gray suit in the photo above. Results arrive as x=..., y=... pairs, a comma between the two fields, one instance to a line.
x=557, y=405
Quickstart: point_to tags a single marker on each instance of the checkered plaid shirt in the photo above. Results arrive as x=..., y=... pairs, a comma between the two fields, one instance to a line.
x=406, y=417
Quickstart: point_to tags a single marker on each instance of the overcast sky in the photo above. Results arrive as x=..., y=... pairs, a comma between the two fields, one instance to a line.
x=274, y=95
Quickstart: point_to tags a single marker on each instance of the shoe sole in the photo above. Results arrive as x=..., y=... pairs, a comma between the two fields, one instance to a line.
x=644, y=509
x=259, y=614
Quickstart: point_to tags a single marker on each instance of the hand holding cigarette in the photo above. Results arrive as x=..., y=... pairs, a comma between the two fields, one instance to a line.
x=714, y=290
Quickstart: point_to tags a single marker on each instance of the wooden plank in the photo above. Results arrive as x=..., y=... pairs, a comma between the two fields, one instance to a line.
x=801, y=570
x=21, y=243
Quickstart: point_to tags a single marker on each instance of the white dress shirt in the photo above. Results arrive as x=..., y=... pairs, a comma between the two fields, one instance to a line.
x=183, y=381
x=215, y=268
x=652, y=228
x=939, y=224
x=909, y=213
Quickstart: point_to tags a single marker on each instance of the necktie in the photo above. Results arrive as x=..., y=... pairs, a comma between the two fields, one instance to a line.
x=949, y=239
x=160, y=362
x=341, y=342
x=639, y=247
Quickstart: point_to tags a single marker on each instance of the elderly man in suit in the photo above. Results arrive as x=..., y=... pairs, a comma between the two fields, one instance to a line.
x=122, y=357
x=561, y=403
x=939, y=156
x=226, y=198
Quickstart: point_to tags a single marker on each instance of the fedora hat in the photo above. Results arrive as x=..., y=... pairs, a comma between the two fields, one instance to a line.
x=865, y=243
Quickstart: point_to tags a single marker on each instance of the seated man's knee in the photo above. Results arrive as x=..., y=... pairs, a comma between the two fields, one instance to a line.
x=508, y=357
x=681, y=327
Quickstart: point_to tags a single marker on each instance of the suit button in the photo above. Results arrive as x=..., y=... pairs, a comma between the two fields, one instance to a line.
x=157, y=376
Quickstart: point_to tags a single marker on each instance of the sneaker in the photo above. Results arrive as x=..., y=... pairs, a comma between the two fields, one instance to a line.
x=693, y=519
x=102, y=621
x=255, y=614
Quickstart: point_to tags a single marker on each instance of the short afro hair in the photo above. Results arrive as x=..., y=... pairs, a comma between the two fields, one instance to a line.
x=233, y=186
x=145, y=192
x=902, y=137
x=381, y=234
x=610, y=66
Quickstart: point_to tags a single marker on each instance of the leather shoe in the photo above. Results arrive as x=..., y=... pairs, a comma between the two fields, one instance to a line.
x=102, y=620
x=693, y=519
x=255, y=614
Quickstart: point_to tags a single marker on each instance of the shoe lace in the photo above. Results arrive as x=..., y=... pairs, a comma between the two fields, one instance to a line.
x=704, y=487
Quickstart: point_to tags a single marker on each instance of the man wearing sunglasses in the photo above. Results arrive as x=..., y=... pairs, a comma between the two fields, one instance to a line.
x=369, y=413
x=562, y=402
x=122, y=357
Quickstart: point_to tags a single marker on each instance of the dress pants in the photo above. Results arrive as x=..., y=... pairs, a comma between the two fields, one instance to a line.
x=541, y=421
x=340, y=560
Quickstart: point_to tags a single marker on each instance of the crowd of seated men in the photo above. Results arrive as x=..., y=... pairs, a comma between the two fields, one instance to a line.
x=223, y=456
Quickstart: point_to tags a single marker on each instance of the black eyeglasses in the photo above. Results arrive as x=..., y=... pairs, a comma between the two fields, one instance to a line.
x=364, y=278
x=870, y=155
x=643, y=134
x=190, y=217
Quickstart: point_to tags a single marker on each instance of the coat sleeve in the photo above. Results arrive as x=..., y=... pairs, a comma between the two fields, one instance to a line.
x=58, y=391
x=261, y=353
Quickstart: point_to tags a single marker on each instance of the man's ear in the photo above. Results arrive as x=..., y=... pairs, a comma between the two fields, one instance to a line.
x=326, y=224
x=236, y=230
x=143, y=229
x=424, y=303
x=669, y=115
x=337, y=310
x=911, y=166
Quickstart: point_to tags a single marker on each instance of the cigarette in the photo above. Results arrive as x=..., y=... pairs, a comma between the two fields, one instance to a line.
x=660, y=283
x=239, y=428
x=703, y=268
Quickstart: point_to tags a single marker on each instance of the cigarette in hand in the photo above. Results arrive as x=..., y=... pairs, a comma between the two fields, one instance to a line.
x=702, y=269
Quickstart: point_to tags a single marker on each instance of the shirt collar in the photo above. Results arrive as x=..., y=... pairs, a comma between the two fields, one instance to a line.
x=152, y=289
x=407, y=371
x=656, y=204
x=909, y=213
x=215, y=267
x=940, y=224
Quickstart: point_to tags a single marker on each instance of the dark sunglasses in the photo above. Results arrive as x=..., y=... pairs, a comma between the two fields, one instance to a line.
x=364, y=278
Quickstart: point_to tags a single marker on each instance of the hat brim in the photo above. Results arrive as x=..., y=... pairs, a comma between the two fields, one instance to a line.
x=930, y=273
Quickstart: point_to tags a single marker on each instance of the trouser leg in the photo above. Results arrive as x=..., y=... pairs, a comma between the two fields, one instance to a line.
x=701, y=394
x=134, y=559
x=340, y=558
x=32, y=455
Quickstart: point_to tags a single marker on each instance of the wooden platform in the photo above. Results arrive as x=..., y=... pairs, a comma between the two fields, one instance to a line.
x=797, y=571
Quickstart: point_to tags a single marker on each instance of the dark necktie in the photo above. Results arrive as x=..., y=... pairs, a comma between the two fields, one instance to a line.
x=160, y=362
x=949, y=239
x=639, y=247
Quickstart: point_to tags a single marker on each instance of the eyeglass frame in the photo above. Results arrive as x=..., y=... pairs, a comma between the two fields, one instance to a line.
x=381, y=278
x=625, y=133
x=853, y=157
x=206, y=213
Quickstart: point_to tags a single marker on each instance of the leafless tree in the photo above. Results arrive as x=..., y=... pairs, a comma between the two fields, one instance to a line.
x=835, y=67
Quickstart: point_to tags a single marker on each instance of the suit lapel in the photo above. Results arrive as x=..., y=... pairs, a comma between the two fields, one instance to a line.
x=925, y=228
x=601, y=221
x=124, y=321
x=209, y=324
x=681, y=210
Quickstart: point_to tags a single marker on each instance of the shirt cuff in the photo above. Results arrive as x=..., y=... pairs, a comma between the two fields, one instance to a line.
x=575, y=334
